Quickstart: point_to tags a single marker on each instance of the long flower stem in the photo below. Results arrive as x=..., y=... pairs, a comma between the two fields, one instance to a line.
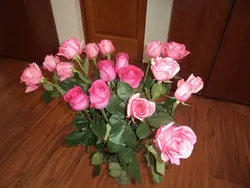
x=104, y=114
x=146, y=75
x=78, y=60
x=86, y=114
x=94, y=60
x=58, y=88
x=174, y=107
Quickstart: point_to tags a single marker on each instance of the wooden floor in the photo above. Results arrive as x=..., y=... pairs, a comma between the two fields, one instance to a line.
x=33, y=155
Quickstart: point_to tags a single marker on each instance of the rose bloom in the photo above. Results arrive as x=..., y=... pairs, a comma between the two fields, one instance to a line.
x=107, y=70
x=154, y=49
x=31, y=76
x=77, y=99
x=121, y=61
x=50, y=63
x=164, y=68
x=175, y=143
x=99, y=94
x=92, y=50
x=139, y=108
x=70, y=48
x=175, y=50
x=186, y=89
x=106, y=47
x=64, y=70
x=131, y=75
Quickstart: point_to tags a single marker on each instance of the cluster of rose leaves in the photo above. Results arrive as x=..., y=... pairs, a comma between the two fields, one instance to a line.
x=173, y=142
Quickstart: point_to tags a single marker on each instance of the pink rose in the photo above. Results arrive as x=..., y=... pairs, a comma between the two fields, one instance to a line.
x=50, y=62
x=175, y=50
x=139, y=108
x=154, y=49
x=70, y=48
x=107, y=70
x=64, y=70
x=99, y=94
x=131, y=75
x=106, y=47
x=186, y=89
x=77, y=99
x=92, y=50
x=175, y=143
x=164, y=68
x=31, y=76
x=121, y=61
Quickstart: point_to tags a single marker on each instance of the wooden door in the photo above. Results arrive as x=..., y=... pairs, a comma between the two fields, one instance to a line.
x=27, y=29
x=200, y=25
x=230, y=77
x=122, y=21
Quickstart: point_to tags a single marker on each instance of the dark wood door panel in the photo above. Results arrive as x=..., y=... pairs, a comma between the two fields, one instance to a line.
x=230, y=77
x=121, y=21
x=27, y=29
x=200, y=25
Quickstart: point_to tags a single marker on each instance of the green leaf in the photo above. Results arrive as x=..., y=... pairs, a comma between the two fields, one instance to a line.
x=55, y=94
x=46, y=96
x=117, y=122
x=116, y=105
x=166, y=88
x=142, y=131
x=96, y=75
x=96, y=115
x=86, y=65
x=48, y=87
x=96, y=171
x=160, y=167
x=114, y=166
x=117, y=138
x=158, y=89
x=125, y=156
x=67, y=84
x=157, y=178
x=99, y=129
x=83, y=78
x=123, y=178
x=75, y=138
x=147, y=93
x=56, y=77
x=159, y=119
x=139, y=89
x=97, y=158
x=124, y=91
x=130, y=138
x=80, y=122
x=89, y=139
x=134, y=168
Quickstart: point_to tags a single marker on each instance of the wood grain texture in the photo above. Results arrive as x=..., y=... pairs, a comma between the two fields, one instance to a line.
x=28, y=29
x=32, y=151
x=200, y=25
x=122, y=22
x=233, y=59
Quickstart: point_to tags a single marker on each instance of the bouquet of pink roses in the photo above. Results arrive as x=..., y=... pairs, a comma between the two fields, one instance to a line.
x=119, y=114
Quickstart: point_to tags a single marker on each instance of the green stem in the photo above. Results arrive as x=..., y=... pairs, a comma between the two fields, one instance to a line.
x=104, y=114
x=78, y=60
x=94, y=60
x=109, y=56
x=146, y=75
x=58, y=88
x=174, y=107
x=86, y=114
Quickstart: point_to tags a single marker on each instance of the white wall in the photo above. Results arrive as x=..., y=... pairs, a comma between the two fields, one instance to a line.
x=68, y=21
x=157, y=20
x=67, y=17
